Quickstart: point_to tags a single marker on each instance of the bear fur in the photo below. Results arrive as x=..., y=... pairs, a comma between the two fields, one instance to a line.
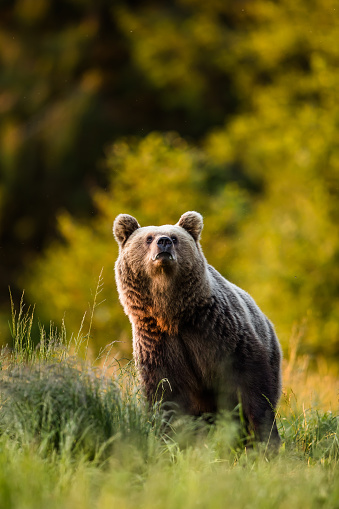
x=191, y=326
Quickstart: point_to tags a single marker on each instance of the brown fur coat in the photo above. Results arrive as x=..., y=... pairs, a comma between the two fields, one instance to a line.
x=191, y=326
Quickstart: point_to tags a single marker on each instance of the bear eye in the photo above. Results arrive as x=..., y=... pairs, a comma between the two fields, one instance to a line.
x=149, y=239
x=174, y=239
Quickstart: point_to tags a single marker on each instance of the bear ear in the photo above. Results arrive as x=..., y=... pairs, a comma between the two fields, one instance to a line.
x=192, y=222
x=123, y=227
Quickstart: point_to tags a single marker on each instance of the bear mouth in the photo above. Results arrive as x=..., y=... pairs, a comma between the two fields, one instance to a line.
x=163, y=256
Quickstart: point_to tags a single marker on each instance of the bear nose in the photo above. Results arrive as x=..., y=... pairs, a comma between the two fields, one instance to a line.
x=164, y=242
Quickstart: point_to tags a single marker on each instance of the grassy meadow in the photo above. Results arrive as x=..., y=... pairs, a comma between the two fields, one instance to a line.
x=154, y=109
x=77, y=433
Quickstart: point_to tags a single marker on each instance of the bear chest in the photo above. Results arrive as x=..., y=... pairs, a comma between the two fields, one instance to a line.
x=183, y=357
x=187, y=369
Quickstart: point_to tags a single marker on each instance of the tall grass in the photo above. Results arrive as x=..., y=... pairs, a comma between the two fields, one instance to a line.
x=76, y=435
x=58, y=402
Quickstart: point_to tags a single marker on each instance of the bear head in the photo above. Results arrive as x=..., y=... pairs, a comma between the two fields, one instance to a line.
x=160, y=270
x=159, y=249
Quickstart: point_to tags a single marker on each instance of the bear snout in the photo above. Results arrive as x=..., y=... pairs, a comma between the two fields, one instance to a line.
x=164, y=249
x=164, y=243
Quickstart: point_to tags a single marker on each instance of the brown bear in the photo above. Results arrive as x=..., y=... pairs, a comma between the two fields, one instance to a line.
x=191, y=326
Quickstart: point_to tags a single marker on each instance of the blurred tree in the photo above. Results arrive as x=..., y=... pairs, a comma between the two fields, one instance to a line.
x=156, y=179
x=71, y=80
x=76, y=74
x=281, y=244
x=287, y=250
x=251, y=83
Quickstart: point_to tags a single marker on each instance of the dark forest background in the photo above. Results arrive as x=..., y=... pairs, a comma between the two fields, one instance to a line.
x=154, y=108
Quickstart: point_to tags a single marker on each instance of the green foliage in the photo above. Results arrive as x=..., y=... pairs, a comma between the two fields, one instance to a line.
x=278, y=241
x=288, y=246
x=157, y=179
x=252, y=84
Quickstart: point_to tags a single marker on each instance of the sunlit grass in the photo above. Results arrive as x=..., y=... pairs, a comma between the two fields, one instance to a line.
x=78, y=435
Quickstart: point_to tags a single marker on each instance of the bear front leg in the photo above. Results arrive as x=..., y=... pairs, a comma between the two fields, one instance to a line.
x=265, y=428
x=260, y=415
x=259, y=393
